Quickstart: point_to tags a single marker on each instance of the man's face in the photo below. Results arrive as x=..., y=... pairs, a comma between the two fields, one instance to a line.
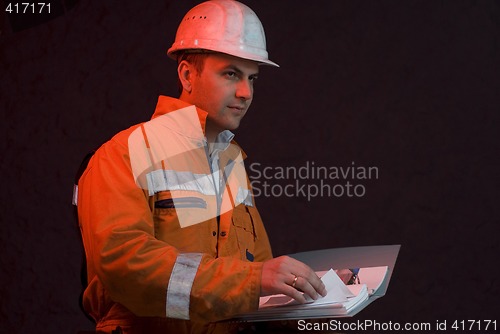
x=224, y=89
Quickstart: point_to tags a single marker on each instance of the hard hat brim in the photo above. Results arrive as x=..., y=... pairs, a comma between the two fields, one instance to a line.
x=174, y=50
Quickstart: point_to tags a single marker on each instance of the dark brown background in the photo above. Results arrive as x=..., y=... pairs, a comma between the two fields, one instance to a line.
x=408, y=86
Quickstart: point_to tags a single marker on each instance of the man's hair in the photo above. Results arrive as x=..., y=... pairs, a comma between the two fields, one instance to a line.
x=197, y=59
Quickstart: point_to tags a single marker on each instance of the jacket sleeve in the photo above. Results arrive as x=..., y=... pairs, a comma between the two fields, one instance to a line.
x=140, y=271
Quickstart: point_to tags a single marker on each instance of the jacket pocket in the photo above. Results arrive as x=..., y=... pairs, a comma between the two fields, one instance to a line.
x=182, y=202
x=171, y=215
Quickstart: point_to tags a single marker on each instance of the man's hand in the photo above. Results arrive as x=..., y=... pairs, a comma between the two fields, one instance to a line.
x=290, y=277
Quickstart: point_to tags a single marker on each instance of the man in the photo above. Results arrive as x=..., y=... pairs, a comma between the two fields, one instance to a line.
x=172, y=237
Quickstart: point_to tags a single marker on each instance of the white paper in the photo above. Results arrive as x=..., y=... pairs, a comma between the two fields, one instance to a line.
x=337, y=292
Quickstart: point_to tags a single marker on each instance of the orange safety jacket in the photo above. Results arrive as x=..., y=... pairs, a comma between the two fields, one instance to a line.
x=171, y=243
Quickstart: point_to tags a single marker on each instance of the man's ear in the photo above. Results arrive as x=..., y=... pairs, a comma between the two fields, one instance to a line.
x=185, y=73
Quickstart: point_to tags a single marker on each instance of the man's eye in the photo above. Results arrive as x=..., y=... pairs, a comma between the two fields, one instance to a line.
x=231, y=74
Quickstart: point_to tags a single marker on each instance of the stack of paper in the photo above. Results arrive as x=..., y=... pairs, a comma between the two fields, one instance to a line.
x=341, y=300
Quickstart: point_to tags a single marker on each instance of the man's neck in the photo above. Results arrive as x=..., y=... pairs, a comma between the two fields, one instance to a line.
x=211, y=133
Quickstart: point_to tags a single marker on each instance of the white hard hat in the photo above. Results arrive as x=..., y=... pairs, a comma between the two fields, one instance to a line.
x=226, y=26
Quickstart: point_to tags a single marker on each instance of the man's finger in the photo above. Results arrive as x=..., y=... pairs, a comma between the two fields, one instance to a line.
x=307, y=288
x=315, y=282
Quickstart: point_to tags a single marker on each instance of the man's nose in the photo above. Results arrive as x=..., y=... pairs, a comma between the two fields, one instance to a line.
x=244, y=90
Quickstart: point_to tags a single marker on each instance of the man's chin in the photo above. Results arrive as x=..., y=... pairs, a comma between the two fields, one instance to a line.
x=234, y=127
x=231, y=126
x=221, y=126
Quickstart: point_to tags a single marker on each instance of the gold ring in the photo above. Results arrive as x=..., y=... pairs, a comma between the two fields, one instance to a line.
x=295, y=281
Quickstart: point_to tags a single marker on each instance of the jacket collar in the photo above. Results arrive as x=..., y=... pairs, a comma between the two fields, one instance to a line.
x=185, y=125
x=168, y=104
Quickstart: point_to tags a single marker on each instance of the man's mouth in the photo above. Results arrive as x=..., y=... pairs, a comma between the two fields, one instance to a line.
x=237, y=108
